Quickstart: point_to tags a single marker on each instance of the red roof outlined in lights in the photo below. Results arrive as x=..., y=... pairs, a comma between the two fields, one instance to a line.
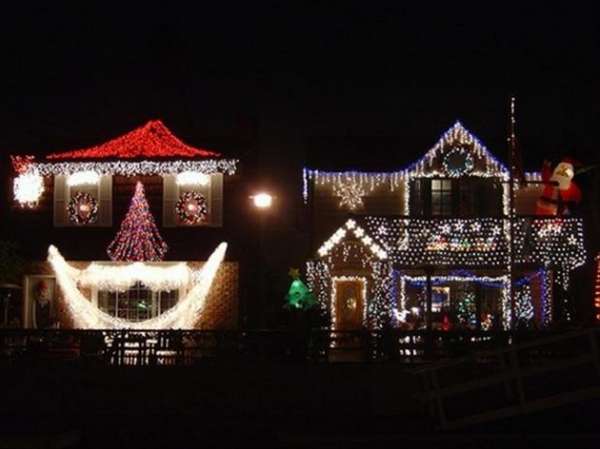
x=151, y=141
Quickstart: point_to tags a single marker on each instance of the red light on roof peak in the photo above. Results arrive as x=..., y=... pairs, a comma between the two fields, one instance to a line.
x=150, y=141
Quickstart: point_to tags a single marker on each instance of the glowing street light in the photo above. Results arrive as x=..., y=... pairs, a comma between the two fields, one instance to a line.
x=262, y=200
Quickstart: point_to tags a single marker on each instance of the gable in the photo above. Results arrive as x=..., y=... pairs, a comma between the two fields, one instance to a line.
x=351, y=230
x=458, y=153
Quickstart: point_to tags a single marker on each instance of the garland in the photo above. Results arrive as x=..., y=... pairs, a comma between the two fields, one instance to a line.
x=191, y=208
x=82, y=209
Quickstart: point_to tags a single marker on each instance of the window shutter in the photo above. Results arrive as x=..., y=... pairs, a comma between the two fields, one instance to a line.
x=420, y=197
x=170, y=194
x=216, y=200
x=105, y=201
x=206, y=192
x=60, y=200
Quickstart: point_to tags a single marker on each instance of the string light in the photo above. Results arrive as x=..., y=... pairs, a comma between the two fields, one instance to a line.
x=351, y=227
x=122, y=157
x=524, y=312
x=597, y=289
x=152, y=140
x=334, y=281
x=138, y=238
x=184, y=315
x=107, y=276
x=139, y=168
x=318, y=278
x=451, y=242
x=456, y=142
x=81, y=178
x=192, y=178
x=555, y=244
x=28, y=189
x=350, y=195
x=455, y=157
x=480, y=241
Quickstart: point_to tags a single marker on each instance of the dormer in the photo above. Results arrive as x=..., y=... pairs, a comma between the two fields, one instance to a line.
x=457, y=177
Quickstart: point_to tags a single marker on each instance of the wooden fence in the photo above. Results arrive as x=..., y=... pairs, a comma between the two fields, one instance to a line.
x=523, y=377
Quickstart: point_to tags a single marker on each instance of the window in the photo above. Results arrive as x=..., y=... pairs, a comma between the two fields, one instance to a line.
x=479, y=197
x=441, y=197
x=212, y=192
x=138, y=303
x=464, y=197
x=101, y=192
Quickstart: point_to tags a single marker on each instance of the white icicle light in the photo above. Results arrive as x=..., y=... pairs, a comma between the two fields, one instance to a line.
x=82, y=178
x=192, y=178
x=118, y=277
x=28, y=188
x=137, y=168
x=85, y=315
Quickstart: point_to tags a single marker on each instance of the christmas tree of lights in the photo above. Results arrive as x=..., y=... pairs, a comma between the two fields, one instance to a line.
x=138, y=238
x=465, y=310
x=524, y=305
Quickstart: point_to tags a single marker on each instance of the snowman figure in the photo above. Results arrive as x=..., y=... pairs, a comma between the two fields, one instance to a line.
x=560, y=192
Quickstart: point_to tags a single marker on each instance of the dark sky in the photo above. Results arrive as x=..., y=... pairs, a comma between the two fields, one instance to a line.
x=384, y=81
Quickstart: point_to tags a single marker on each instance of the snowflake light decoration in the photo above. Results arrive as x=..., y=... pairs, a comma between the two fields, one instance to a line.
x=350, y=195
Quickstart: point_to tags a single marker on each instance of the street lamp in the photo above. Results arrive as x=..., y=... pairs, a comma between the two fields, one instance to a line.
x=262, y=200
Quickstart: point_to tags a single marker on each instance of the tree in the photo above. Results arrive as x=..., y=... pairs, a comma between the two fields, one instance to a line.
x=138, y=238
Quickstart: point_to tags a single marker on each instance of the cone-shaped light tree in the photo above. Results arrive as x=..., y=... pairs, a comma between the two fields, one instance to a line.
x=138, y=238
x=524, y=310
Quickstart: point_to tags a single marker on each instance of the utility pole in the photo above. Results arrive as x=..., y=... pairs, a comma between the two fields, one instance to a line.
x=515, y=164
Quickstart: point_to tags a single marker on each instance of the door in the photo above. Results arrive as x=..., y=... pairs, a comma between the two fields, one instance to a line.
x=349, y=303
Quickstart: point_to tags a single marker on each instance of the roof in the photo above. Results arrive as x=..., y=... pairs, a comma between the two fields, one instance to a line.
x=151, y=141
x=390, y=154
x=458, y=134
x=351, y=227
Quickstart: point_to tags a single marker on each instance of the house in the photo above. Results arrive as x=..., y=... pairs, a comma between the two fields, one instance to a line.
x=435, y=245
x=163, y=203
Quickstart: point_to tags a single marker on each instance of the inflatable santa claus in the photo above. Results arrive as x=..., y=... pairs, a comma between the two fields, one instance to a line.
x=560, y=192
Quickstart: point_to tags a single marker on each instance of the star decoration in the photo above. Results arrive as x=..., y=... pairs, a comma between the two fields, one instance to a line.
x=294, y=273
x=475, y=227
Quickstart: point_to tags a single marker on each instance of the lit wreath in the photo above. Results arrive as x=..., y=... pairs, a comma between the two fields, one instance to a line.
x=83, y=208
x=191, y=208
x=458, y=162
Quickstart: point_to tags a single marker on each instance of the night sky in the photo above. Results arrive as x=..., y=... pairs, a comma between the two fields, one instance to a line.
x=334, y=85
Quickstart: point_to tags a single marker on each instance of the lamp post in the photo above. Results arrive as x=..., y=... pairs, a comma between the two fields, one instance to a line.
x=262, y=202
